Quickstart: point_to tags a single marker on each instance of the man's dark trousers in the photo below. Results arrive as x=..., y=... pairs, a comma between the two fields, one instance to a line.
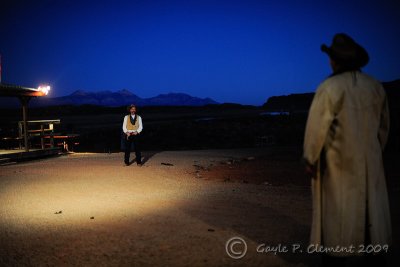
x=135, y=140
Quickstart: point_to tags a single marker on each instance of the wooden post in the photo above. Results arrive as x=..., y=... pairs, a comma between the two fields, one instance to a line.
x=24, y=101
x=42, y=135
x=51, y=126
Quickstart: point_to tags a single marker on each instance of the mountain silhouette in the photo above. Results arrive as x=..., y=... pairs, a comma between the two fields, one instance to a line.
x=302, y=102
x=111, y=99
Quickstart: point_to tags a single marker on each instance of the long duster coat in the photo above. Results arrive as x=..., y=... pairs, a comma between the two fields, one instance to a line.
x=348, y=125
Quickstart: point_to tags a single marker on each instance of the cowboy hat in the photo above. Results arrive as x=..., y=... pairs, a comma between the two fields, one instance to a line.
x=345, y=51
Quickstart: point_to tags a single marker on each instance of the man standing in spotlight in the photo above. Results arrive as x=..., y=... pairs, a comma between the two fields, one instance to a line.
x=132, y=127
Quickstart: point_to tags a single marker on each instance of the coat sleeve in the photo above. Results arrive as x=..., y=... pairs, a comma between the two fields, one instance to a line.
x=320, y=117
x=140, y=129
x=384, y=124
x=124, y=125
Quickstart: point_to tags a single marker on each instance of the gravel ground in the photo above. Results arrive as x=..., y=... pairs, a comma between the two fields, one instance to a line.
x=179, y=209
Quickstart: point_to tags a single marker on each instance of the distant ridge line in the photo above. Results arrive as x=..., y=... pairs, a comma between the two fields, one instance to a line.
x=113, y=99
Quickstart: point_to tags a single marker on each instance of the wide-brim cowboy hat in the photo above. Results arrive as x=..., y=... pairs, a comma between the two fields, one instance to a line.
x=345, y=51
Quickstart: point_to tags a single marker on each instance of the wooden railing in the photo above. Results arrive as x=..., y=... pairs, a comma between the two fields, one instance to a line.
x=44, y=129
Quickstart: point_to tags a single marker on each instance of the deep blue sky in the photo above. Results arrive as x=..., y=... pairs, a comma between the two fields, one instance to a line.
x=231, y=51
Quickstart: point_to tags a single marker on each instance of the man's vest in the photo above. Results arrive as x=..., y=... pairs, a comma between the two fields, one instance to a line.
x=132, y=124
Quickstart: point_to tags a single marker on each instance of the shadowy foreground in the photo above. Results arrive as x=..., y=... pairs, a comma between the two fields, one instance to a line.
x=179, y=209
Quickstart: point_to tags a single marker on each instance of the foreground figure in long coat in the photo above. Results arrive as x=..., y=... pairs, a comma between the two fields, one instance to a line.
x=348, y=127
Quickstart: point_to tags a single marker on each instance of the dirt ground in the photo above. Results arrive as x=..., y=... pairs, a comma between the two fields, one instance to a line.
x=179, y=209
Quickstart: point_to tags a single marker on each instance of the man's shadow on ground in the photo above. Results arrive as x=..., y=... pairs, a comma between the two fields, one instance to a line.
x=146, y=156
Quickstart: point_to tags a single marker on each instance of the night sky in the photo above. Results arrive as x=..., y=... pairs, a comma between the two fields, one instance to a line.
x=231, y=51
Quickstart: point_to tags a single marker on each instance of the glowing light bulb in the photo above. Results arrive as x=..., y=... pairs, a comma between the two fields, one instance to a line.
x=44, y=89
